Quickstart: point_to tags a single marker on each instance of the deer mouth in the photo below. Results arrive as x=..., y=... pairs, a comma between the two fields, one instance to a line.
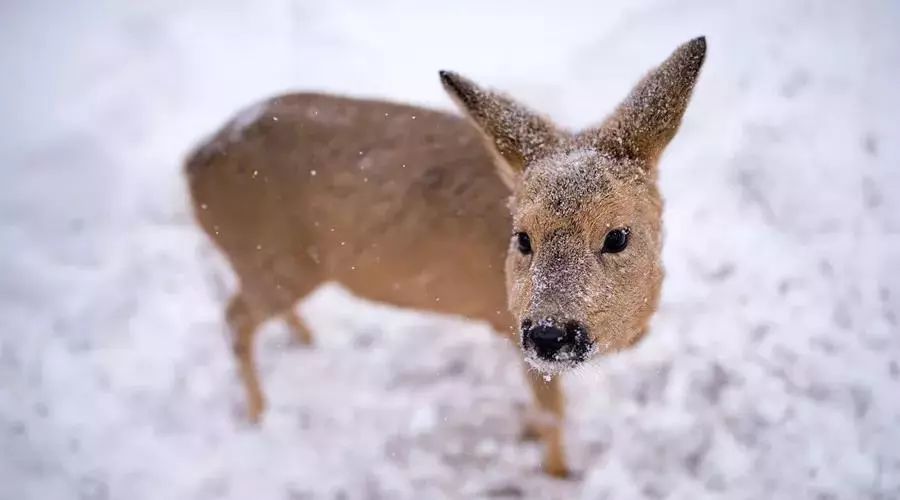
x=560, y=364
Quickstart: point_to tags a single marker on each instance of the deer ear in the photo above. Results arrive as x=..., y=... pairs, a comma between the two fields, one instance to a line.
x=648, y=118
x=516, y=135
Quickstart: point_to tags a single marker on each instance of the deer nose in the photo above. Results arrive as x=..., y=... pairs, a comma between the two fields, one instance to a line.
x=553, y=341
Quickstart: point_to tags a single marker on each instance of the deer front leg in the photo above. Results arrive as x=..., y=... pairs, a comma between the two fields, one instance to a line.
x=548, y=423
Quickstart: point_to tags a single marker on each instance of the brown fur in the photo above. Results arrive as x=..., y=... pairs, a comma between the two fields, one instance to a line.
x=401, y=205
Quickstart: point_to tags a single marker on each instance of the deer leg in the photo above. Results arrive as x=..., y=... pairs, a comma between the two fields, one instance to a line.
x=549, y=424
x=243, y=324
x=298, y=327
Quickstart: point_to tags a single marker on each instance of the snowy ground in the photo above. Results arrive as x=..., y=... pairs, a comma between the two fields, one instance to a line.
x=774, y=367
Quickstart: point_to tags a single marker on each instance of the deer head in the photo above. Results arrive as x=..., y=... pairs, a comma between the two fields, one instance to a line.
x=583, y=270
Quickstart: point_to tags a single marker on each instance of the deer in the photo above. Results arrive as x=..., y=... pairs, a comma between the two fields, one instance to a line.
x=552, y=237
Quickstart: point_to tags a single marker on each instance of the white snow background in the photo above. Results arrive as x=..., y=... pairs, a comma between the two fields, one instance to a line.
x=772, y=371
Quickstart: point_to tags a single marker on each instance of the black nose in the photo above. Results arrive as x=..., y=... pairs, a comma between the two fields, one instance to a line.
x=555, y=341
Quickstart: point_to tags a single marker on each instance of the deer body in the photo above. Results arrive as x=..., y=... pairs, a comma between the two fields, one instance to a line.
x=403, y=205
x=398, y=204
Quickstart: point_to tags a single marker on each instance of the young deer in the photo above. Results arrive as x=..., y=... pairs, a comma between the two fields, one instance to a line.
x=402, y=205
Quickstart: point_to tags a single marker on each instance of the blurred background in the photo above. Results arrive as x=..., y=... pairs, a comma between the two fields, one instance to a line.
x=773, y=368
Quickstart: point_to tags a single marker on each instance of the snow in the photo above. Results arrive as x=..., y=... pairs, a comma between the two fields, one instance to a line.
x=773, y=367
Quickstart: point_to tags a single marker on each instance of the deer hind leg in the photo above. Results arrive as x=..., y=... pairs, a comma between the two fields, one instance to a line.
x=298, y=328
x=244, y=323
x=549, y=422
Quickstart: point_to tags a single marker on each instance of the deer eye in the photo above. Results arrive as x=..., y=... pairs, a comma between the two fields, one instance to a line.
x=616, y=241
x=523, y=243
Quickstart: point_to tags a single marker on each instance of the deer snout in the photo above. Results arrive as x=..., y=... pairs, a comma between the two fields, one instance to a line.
x=554, y=340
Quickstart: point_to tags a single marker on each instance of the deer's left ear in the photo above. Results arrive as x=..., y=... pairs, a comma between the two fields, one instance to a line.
x=645, y=122
x=514, y=133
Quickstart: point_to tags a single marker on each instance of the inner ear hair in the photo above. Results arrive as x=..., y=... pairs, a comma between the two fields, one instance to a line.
x=643, y=124
x=514, y=134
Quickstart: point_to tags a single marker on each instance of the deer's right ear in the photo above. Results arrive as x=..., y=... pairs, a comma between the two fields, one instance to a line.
x=514, y=133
